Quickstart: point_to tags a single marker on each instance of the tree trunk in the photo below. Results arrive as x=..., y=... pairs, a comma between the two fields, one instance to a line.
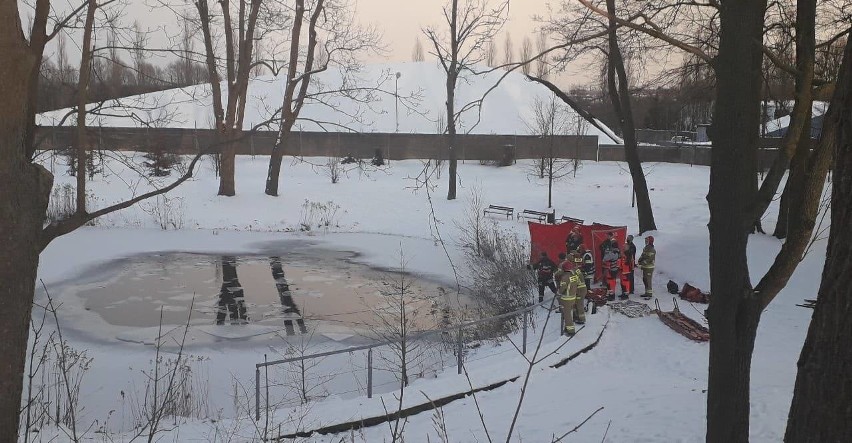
x=783, y=210
x=800, y=119
x=275, y=158
x=820, y=411
x=227, y=164
x=452, y=77
x=791, y=198
x=451, y=133
x=550, y=180
x=620, y=96
x=24, y=191
x=735, y=309
x=23, y=202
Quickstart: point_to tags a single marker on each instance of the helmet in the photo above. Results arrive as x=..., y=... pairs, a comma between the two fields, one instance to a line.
x=629, y=238
x=649, y=240
x=567, y=266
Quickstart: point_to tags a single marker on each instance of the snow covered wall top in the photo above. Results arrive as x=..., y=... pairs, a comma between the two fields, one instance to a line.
x=505, y=110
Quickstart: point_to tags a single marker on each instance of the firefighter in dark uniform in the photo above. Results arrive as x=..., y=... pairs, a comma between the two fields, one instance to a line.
x=574, y=240
x=545, y=267
x=630, y=256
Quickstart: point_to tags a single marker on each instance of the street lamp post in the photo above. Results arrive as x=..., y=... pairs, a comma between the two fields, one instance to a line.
x=396, y=101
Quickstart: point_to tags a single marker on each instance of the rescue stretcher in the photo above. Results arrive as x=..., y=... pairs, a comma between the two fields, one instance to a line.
x=682, y=324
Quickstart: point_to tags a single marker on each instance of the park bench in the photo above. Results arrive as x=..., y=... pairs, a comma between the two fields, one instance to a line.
x=565, y=218
x=537, y=215
x=502, y=210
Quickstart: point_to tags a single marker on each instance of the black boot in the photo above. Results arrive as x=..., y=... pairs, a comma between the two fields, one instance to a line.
x=623, y=296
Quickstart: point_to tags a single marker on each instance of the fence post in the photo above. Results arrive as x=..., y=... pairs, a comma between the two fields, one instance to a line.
x=524, y=349
x=257, y=393
x=459, y=350
x=266, y=385
x=370, y=373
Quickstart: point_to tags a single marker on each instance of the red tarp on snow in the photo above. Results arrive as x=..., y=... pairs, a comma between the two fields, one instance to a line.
x=548, y=238
x=551, y=239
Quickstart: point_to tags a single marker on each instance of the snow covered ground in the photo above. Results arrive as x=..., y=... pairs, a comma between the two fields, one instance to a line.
x=650, y=381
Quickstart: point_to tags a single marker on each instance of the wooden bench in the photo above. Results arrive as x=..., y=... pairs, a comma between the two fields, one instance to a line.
x=537, y=215
x=565, y=218
x=502, y=210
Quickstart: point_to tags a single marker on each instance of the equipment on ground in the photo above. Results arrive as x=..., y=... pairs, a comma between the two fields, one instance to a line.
x=682, y=324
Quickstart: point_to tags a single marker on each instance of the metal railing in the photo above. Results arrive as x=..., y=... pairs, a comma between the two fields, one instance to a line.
x=458, y=330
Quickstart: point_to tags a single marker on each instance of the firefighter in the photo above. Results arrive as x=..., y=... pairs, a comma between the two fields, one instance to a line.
x=568, y=281
x=646, y=263
x=606, y=246
x=611, y=271
x=574, y=240
x=544, y=271
x=630, y=252
x=582, y=290
x=560, y=272
x=626, y=266
x=588, y=266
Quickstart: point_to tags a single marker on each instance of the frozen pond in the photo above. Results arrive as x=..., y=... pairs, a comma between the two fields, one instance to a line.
x=306, y=290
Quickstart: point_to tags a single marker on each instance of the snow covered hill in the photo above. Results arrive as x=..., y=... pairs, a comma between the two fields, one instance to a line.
x=506, y=110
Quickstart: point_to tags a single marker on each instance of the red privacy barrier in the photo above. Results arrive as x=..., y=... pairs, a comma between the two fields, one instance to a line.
x=548, y=238
x=551, y=239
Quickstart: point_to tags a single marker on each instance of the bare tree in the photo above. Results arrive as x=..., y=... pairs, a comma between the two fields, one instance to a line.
x=541, y=62
x=819, y=409
x=344, y=41
x=140, y=40
x=470, y=27
x=239, y=43
x=580, y=127
x=490, y=54
x=736, y=307
x=508, y=50
x=549, y=119
x=526, y=55
x=418, y=54
x=619, y=93
x=25, y=187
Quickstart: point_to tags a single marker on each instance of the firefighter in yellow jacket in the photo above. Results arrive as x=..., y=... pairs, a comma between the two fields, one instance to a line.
x=646, y=263
x=568, y=281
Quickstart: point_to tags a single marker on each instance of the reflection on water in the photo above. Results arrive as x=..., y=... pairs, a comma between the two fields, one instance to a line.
x=288, y=306
x=292, y=293
x=231, y=298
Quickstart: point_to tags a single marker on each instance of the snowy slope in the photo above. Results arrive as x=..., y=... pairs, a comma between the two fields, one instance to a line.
x=422, y=93
x=649, y=380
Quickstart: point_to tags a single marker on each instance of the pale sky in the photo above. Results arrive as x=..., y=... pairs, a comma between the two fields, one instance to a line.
x=402, y=21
